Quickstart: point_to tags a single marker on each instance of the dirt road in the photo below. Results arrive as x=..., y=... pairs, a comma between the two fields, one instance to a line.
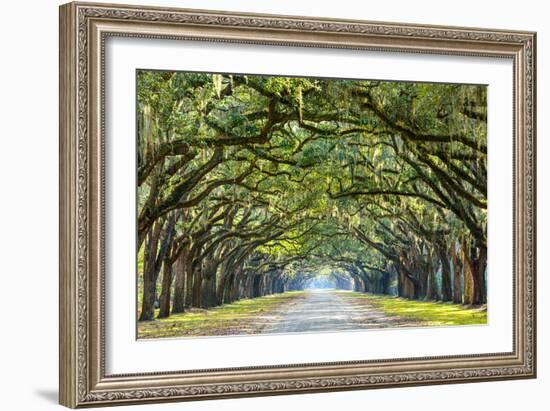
x=328, y=310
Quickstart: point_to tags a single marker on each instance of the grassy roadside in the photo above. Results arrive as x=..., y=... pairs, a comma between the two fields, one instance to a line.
x=247, y=316
x=430, y=312
x=253, y=316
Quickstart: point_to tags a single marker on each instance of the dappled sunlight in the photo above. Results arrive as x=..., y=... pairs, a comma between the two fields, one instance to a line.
x=247, y=316
x=437, y=313
x=312, y=310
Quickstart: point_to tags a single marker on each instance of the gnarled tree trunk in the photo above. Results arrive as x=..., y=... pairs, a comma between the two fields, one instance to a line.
x=150, y=273
x=457, y=277
x=475, y=264
x=167, y=275
x=432, y=293
x=446, y=288
x=179, y=284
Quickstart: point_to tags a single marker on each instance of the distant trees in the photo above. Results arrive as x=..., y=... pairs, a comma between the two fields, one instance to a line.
x=248, y=184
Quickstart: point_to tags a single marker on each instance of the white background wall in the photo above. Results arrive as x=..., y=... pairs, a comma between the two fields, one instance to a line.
x=28, y=205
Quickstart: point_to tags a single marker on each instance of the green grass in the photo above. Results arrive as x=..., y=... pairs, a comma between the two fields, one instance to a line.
x=240, y=317
x=434, y=313
x=252, y=316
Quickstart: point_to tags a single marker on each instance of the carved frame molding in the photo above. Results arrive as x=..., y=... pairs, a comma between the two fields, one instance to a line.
x=83, y=30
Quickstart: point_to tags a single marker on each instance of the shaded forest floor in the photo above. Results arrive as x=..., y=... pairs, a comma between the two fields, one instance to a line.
x=246, y=316
x=307, y=311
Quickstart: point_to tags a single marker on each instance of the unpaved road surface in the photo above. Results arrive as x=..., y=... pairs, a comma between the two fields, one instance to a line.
x=329, y=310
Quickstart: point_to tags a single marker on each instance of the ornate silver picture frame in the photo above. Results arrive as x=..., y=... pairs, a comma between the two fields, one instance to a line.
x=84, y=30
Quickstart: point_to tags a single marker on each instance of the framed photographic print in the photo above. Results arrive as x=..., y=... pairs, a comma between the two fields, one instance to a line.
x=259, y=204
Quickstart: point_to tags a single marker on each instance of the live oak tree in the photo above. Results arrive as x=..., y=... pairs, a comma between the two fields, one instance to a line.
x=252, y=185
